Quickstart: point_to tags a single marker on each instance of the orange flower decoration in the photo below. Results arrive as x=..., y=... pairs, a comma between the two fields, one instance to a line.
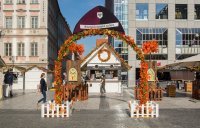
x=68, y=47
x=80, y=49
x=150, y=47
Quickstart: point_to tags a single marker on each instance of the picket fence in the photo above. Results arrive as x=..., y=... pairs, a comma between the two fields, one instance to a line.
x=150, y=109
x=51, y=109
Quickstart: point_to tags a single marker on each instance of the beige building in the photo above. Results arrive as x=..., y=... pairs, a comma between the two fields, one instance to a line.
x=174, y=23
x=31, y=33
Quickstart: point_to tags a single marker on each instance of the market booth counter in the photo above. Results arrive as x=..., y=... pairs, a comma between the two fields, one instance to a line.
x=188, y=86
x=112, y=83
x=104, y=61
x=171, y=91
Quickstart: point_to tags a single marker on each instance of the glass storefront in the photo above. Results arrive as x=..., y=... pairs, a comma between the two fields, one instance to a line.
x=187, y=42
x=121, y=12
x=159, y=34
x=181, y=11
x=161, y=11
x=142, y=11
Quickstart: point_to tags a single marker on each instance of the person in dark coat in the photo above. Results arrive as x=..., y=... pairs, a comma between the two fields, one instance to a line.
x=8, y=79
x=43, y=88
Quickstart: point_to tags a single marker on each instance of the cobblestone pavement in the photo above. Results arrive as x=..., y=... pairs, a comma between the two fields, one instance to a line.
x=109, y=111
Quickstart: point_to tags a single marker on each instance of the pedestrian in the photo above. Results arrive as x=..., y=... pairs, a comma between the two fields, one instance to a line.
x=8, y=79
x=103, y=82
x=64, y=78
x=43, y=89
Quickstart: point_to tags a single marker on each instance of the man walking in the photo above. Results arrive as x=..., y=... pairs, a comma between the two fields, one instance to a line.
x=103, y=82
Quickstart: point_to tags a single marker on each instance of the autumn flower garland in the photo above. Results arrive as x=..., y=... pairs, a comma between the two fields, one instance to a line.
x=99, y=55
x=69, y=45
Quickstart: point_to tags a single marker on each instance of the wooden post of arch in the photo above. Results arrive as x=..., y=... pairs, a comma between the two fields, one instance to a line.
x=64, y=51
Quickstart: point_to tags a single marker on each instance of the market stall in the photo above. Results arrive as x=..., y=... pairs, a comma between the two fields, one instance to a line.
x=104, y=61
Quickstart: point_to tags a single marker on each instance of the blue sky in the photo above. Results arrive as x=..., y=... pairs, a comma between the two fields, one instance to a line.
x=73, y=10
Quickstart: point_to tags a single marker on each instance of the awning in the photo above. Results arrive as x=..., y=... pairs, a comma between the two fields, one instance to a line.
x=188, y=63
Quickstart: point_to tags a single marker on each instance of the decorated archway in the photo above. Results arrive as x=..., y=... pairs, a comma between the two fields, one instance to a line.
x=70, y=42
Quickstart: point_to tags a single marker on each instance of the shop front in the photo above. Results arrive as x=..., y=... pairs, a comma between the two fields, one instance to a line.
x=104, y=61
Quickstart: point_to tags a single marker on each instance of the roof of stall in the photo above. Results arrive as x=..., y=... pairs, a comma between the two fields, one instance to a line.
x=125, y=66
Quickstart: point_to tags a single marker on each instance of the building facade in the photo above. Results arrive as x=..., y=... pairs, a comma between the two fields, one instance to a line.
x=174, y=23
x=32, y=32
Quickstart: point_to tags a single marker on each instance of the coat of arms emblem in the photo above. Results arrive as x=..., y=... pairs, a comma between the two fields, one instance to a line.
x=99, y=15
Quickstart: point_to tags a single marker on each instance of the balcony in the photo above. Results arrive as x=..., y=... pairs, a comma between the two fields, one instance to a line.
x=21, y=6
x=8, y=7
x=195, y=49
x=34, y=7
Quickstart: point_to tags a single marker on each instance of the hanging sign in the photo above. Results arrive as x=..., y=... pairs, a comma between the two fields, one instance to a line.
x=73, y=75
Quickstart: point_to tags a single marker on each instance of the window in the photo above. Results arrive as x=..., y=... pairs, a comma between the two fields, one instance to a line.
x=8, y=22
x=34, y=22
x=181, y=11
x=21, y=2
x=20, y=47
x=142, y=11
x=34, y=49
x=34, y=1
x=161, y=11
x=197, y=11
x=21, y=22
x=159, y=34
x=8, y=49
x=187, y=42
x=8, y=1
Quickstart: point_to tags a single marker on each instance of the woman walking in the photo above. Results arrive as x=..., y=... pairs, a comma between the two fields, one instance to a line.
x=43, y=89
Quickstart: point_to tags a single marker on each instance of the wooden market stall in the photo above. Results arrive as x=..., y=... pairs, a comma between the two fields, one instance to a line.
x=104, y=60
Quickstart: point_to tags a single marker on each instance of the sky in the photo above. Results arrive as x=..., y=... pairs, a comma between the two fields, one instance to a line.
x=73, y=10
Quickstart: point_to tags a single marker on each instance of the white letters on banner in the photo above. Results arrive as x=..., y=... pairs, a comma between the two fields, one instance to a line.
x=110, y=25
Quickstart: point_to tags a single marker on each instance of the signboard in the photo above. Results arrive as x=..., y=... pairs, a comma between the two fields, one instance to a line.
x=151, y=75
x=73, y=74
x=99, y=26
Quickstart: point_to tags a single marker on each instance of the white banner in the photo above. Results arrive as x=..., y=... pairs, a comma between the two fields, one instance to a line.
x=110, y=25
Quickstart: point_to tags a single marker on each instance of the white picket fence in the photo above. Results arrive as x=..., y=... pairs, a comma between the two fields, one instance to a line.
x=150, y=109
x=51, y=109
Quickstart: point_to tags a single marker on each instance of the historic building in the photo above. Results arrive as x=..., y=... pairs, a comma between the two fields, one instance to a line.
x=32, y=32
x=174, y=23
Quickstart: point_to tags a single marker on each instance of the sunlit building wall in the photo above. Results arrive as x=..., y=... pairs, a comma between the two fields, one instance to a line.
x=174, y=23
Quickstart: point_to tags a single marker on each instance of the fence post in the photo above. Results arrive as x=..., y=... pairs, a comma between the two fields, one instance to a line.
x=57, y=110
x=67, y=108
x=147, y=109
x=142, y=110
x=47, y=109
x=157, y=110
x=63, y=110
x=42, y=110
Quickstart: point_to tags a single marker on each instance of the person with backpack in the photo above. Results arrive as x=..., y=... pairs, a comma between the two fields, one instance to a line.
x=43, y=89
x=8, y=79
